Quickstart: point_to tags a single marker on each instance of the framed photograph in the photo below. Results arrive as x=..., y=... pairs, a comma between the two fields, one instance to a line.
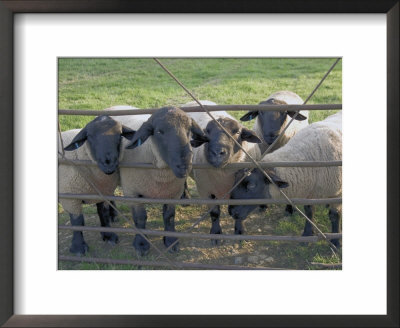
x=49, y=53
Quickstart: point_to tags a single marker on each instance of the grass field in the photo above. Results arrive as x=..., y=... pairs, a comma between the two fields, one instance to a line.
x=101, y=83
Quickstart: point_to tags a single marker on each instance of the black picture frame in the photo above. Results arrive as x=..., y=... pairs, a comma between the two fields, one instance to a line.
x=7, y=10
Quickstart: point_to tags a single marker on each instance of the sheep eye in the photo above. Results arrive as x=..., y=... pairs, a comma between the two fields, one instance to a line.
x=160, y=132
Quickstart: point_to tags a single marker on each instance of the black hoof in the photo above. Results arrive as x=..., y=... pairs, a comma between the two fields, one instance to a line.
x=79, y=249
x=239, y=232
x=216, y=242
x=262, y=208
x=110, y=237
x=289, y=210
x=141, y=245
x=168, y=241
x=336, y=242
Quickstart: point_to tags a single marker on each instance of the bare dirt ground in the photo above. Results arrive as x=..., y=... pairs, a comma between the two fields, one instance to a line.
x=282, y=255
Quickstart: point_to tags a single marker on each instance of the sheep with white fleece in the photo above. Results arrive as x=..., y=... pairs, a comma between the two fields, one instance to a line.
x=99, y=142
x=320, y=141
x=164, y=140
x=218, y=149
x=269, y=124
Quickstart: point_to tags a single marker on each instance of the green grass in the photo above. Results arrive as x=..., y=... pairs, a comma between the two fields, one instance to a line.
x=101, y=83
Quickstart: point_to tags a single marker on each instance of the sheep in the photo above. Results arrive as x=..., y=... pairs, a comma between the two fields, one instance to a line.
x=129, y=120
x=320, y=141
x=218, y=149
x=269, y=124
x=100, y=142
x=202, y=119
x=164, y=139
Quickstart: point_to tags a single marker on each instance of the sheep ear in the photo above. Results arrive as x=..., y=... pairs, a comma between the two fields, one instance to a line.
x=249, y=116
x=278, y=181
x=198, y=135
x=249, y=136
x=128, y=133
x=78, y=141
x=299, y=117
x=141, y=135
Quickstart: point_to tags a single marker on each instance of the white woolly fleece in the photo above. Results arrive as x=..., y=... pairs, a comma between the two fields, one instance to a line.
x=219, y=181
x=159, y=183
x=70, y=179
x=320, y=141
x=202, y=118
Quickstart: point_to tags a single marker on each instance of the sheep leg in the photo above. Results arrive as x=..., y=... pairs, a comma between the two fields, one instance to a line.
x=139, y=215
x=169, y=225
x=78, y=245
x=215, y=225
x=239, y=229
x=308, y=228
x=289, y=210
x=105, y=219
x=113, y=213
x=335, y=221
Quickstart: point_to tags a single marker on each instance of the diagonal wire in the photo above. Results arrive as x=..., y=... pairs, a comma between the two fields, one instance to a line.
x=247, y=172
x=322, y=80
x=245, y=152
x=205, y=215
x=270, y=147
x=61, y=139
x=294, y=117
x=83, y=174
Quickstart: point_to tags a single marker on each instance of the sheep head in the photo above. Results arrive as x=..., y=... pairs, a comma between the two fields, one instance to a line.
x=254, y=186
x=271, y=122
x=171, y=130
x=103, y=137
x=220, y=149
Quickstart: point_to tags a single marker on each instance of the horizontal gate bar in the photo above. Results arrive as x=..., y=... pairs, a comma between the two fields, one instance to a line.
x=328, y=265
x=308, y=239
x=161, y=264
x=199, y=109
x=201, y=201
x=241, y=165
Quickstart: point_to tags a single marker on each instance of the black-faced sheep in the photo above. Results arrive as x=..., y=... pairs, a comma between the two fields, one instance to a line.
x=269, y=124
x=164, y=140
x=320, y=141
x=218, y=149
x=100, y=142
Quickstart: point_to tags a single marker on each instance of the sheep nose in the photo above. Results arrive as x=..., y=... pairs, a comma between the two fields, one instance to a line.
x=108, y=161
x=181, y=166
x=218, y=152
x=270, y=138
